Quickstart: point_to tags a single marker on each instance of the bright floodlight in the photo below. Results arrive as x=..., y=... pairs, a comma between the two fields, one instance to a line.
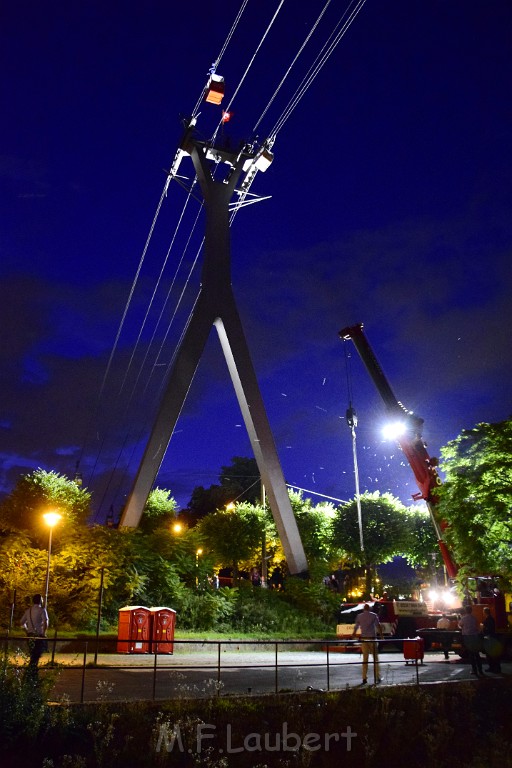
x=393, y=430
x=52, y=518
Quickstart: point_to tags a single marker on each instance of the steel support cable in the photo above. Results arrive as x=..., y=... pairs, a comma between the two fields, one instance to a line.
x=155, y=289
x=304, y=84
x=223, y=50
x=320, y=61
x=269, y=27
x=164, y=193
x=310, y=34
x=120, y=328
x=178, y=304
x=164, y=306
x=132, y=290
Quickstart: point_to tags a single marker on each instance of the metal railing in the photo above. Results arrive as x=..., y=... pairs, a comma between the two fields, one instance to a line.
x=79, y=663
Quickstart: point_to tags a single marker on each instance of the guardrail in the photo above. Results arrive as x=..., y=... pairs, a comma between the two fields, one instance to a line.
x=208, y=656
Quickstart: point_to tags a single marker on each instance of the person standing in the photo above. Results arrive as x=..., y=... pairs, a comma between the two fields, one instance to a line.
x=446, y=640
x=369, y=624
x=35, y=623
x=471, y=640
x=492, y=645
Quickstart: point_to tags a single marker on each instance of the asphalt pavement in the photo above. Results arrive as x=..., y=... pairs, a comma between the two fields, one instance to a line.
x=213, y=670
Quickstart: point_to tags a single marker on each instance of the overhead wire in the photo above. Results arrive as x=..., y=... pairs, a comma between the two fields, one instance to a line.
x=222, y=50
x=294, y=61
x=155, y=289
x=320, y=61
x=247, y=69
x=326, y=52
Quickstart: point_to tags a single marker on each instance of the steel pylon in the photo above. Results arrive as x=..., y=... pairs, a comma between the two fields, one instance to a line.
x=216, y=306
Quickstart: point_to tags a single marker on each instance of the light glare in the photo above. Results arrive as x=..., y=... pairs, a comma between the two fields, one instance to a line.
x=393, y=430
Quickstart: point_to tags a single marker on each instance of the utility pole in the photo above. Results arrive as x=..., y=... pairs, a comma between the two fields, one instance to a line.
x=351, y=417
x=215, y=305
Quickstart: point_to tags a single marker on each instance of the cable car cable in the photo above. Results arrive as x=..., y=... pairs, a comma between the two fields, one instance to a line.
x=320, y=61
x=222, y=51
x=274, y=95
x=269, y=27
x=155, y=289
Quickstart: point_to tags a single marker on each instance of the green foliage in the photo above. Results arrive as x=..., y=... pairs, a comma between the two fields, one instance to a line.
x=386, y=531
x=41, y=492
x=235, y=536
x=204, y=611
x=423, y=541
x=476, y=499
x=159, y=510
x=22, y=704
x=238, y=482
x=315, y=524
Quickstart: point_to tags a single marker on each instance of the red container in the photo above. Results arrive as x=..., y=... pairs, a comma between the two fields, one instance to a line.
x=133, y=634
x=163, y=621
x=414, y=649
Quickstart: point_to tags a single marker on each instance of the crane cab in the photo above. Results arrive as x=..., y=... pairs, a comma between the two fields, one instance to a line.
x=214, y=89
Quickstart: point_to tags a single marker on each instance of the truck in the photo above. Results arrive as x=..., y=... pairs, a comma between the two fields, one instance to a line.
x=482, y=591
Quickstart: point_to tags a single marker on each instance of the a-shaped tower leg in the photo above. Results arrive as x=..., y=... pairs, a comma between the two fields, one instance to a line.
x=216, y=305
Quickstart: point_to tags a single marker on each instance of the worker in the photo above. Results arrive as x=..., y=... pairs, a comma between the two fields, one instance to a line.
x=446, y=640
x=369, y=624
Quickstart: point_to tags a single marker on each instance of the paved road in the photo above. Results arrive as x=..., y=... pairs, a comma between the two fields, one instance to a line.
x=196, y=674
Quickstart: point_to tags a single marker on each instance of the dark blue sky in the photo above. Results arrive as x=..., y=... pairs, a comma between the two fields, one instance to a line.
x=390, y=206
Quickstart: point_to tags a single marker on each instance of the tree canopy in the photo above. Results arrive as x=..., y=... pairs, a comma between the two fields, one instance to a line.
x=476, y=499
x=386, y=531
x=40, y=492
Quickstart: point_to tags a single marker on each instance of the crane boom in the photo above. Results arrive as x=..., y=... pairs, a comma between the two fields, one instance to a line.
x=411, y=441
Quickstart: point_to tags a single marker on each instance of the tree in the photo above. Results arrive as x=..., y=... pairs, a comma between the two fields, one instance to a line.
x=386, y=531
x=315, y=528
x=239, y=481
x=159, y=510
x=476, y=499
x=423, y=542
x=235, y=536
x=242, y=480
x=39, y=492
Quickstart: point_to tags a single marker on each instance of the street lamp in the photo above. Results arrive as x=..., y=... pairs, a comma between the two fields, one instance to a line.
x=51, y=519
x=198, y=553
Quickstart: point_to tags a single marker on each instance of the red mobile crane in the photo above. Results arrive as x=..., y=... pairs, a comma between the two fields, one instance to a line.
x=410, y=441
x=427, y=478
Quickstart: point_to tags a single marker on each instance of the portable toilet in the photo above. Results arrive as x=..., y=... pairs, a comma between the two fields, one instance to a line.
x=133, y=634
x=163, y=621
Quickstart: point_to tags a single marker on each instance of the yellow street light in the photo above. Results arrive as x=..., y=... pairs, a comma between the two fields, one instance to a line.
x=198, y=553
x=177, y=528
x=51, y=519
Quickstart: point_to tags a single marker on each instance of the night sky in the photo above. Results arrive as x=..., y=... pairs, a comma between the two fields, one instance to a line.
x=390, y=205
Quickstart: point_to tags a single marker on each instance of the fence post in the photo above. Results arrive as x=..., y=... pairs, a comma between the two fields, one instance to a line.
x=54, y=643
x=328, y=670
x=154, y=675
x=83, y=674
x=276, y=673
x=218, y=668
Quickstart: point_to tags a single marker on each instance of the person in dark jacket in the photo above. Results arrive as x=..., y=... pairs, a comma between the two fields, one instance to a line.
x=492, y=645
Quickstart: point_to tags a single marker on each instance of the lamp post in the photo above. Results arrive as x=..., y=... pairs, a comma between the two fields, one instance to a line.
x=198, y=553
x=51, y=519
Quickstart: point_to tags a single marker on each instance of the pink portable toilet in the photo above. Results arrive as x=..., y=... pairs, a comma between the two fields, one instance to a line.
x=163, y=621
x=133, y=634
